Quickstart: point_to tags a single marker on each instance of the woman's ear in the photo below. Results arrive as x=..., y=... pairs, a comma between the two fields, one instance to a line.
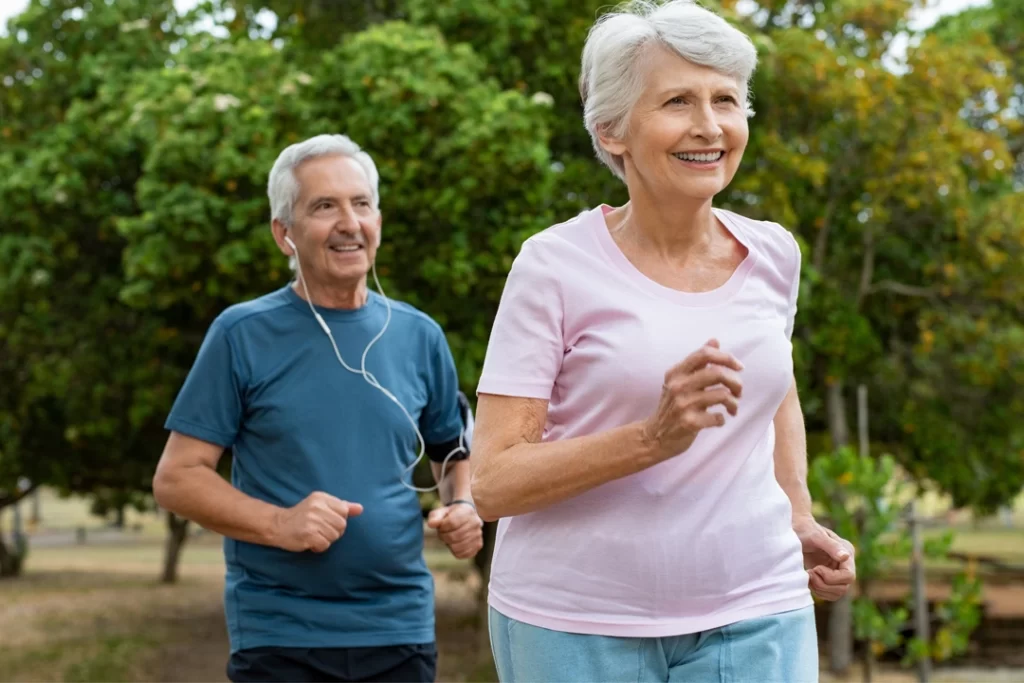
x=609, y=142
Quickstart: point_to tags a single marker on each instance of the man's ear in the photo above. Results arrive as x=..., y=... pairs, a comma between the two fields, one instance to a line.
x=280, y=231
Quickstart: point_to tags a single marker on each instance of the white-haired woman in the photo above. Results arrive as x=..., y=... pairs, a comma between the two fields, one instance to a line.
x=639, y=433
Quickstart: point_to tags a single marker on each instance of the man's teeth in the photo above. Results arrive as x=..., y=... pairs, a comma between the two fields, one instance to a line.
x=705, y=158
x=347, y=247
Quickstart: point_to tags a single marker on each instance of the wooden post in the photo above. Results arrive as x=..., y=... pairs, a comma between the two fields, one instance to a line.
x=840, y=620
x=864, y=443
x=921, y=625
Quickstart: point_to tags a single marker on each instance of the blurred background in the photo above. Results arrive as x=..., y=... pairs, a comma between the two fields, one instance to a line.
x=135, y=141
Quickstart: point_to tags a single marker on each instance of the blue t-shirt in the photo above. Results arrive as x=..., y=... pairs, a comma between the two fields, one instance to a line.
x=266, y=384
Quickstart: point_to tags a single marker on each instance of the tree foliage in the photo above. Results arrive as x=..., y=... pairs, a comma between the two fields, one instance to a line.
x=135, y=146
x=864, y=500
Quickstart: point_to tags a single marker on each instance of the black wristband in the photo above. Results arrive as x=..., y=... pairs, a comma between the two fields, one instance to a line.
x=437, y=452
x=462, y=501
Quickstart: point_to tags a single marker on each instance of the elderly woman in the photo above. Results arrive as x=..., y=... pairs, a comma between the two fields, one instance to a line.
x=639, y=433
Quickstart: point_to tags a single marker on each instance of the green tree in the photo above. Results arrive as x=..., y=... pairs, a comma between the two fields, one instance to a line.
x=77, y=366
x=864, y=500
x=462, y=164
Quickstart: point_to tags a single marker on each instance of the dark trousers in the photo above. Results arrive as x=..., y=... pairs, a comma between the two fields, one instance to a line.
x=399, y=664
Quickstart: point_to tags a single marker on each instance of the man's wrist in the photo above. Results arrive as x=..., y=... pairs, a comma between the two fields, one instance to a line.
x=271, y=530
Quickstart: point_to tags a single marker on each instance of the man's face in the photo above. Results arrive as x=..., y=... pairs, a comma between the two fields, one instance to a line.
x=335, y=226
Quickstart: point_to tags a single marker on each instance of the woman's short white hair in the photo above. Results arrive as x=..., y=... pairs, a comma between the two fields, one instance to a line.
x=611, y=77
x=283, y=186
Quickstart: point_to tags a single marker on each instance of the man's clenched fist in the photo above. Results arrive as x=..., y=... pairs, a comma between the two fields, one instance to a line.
x=459, y=527
x=314, y=524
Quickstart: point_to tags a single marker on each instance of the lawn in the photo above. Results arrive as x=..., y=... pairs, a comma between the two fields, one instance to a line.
x=97, y=613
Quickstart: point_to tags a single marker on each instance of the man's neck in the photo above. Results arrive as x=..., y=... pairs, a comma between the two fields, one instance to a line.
x=339, y=297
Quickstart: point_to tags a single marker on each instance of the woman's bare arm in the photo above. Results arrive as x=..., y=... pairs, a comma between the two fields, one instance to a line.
x=514, y=473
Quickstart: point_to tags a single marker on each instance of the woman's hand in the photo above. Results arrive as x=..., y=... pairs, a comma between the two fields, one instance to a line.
x=706, y=378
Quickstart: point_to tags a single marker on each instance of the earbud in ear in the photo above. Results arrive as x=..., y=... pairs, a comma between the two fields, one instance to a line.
x=290, y=243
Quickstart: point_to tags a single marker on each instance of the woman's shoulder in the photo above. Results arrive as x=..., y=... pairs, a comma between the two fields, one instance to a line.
x=770, y=238
x=560, y=240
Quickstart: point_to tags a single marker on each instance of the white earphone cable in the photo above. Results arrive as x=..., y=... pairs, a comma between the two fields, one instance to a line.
x=372, y=381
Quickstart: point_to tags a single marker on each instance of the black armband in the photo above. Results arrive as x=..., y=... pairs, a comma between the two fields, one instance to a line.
x=437, y=452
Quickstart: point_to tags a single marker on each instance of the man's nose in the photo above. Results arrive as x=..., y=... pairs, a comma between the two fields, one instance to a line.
x=347, y=221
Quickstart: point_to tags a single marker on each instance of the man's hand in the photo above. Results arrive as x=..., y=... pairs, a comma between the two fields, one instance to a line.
x=459, y=527
x=828, y=559
x=314, y=524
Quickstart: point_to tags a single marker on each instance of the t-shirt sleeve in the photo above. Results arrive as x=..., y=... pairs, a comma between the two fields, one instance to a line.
x=526, y=347
x=441, y=419
x=794, y=290
x=209, y=405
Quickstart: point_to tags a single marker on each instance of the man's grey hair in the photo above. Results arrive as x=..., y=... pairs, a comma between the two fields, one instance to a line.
x=611, y=77
x=283, y=187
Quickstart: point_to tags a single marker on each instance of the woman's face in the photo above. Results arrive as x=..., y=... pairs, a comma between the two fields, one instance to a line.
x=687, y=132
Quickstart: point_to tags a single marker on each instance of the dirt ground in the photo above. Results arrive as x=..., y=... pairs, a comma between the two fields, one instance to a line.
x=80, y=623
x=96, y=613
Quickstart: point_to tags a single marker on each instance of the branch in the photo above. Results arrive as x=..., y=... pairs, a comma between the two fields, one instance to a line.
x=821, y=242
x=867, y=269
x=7, y=500
x=900, y=288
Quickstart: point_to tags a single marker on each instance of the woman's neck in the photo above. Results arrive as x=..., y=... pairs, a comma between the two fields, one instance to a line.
x=671, y=230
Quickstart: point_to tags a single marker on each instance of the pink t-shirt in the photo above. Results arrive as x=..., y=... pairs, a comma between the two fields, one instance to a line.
x=698, y=541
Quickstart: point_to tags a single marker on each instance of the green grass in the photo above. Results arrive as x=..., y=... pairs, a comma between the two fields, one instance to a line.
x=115, y=659
x=81, y=660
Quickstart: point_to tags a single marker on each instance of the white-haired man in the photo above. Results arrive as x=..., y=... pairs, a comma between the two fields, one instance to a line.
x=325, y=392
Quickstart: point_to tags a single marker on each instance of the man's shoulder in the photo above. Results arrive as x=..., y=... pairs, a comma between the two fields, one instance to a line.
x=411, y=317
x=247, y=311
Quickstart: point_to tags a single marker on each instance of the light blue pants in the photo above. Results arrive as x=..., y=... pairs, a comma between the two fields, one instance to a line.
x=782, y=648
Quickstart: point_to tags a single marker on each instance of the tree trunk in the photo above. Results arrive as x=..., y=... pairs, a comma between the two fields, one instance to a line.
x=12, y=559
x=840, y=622
x=10, y=563
x=37, y=508
x=177, y=533
x=119, y=517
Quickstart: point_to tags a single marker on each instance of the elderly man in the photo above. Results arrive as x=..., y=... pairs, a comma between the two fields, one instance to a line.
x=326, y=393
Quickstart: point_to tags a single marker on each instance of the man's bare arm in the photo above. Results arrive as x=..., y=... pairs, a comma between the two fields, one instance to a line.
x=455, y=485
x=187, y=484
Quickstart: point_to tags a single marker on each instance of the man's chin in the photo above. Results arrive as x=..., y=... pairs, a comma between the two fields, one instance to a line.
x=349, y=276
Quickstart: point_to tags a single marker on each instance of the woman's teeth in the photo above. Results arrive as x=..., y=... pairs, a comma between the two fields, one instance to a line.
x=705, y=158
